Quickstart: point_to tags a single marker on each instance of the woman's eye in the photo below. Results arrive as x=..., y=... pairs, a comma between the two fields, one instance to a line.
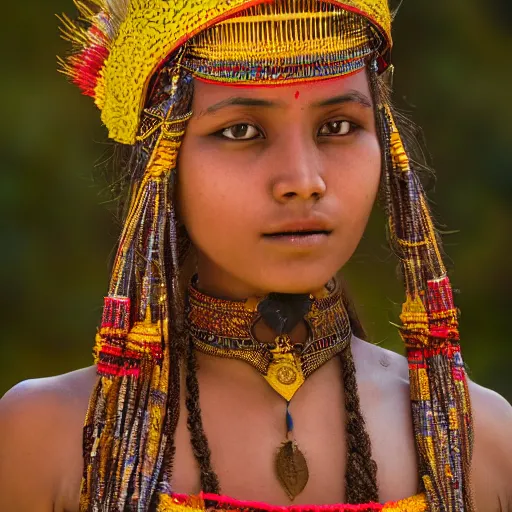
x=241, y=132
x=337, y=128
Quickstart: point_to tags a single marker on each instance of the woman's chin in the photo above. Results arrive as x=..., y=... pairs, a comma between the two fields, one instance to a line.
x=306, y=281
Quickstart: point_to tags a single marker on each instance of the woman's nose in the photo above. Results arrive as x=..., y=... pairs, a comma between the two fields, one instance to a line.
x=297, y=172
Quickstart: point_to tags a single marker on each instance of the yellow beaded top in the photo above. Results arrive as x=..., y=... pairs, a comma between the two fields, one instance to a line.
x=128, y=40
x=183, y=503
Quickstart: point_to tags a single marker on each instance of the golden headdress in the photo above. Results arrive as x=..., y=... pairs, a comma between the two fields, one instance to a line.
x=128, y=41
x=137, y=59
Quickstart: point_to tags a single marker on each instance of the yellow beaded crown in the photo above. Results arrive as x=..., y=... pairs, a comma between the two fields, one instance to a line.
x=125, y=42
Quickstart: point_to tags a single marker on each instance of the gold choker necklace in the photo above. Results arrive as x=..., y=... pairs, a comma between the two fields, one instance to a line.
x=224, y=328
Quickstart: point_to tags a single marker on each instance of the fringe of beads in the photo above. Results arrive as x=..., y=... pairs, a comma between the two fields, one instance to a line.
x=129, y=430
x=439, y=393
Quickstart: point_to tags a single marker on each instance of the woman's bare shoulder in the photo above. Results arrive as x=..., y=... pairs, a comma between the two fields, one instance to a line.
x=39, y=402
x=70, y=385
x=385, y=373
x=379, y=364
x=492, y=457
x=41, y=424
x=383, y=382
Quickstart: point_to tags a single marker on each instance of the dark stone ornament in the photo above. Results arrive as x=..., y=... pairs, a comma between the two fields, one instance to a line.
x=292, y=469
x=283, y=311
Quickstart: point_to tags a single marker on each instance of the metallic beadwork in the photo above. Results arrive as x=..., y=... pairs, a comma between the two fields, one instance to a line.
x=224, y=328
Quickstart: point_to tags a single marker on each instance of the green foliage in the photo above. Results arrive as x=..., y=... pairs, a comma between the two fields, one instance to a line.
x=452, y=76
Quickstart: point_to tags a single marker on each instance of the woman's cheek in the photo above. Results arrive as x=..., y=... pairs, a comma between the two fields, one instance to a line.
x=214, y=211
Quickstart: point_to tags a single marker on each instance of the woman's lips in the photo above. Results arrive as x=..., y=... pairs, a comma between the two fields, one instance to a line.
x=302, y=239
x=301, y=226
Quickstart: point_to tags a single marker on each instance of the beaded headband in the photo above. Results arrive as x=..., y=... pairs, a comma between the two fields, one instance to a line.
x=283, y=42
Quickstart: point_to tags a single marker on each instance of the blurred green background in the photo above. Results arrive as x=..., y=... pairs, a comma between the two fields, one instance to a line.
x=453, y=75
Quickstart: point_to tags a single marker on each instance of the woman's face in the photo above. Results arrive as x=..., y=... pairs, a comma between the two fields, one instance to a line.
x=276, y=184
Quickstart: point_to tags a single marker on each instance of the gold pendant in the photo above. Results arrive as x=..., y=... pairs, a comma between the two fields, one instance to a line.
x=284, y=373
x=292, y=469
x=285, y=376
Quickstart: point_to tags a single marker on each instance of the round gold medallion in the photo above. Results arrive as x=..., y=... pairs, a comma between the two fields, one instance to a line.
x=286, y=375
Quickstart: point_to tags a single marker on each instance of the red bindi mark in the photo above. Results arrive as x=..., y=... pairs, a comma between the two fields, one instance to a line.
x=297, y=94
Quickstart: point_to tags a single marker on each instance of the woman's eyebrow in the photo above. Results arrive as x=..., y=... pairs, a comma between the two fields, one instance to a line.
x=239, y=101
x=349, y=97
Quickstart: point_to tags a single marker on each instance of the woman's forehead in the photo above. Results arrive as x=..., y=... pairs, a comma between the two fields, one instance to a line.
x=207, y=94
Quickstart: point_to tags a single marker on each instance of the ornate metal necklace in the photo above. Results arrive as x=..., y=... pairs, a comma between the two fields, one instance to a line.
x=224, y=328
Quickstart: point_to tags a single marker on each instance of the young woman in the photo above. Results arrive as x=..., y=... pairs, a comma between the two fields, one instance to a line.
x=227, y=357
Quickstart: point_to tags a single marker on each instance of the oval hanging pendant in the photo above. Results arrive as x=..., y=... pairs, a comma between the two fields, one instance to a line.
x=292, y=469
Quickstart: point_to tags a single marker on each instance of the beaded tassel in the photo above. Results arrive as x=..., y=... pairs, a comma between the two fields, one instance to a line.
x=439, y=393
x=128, y=422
